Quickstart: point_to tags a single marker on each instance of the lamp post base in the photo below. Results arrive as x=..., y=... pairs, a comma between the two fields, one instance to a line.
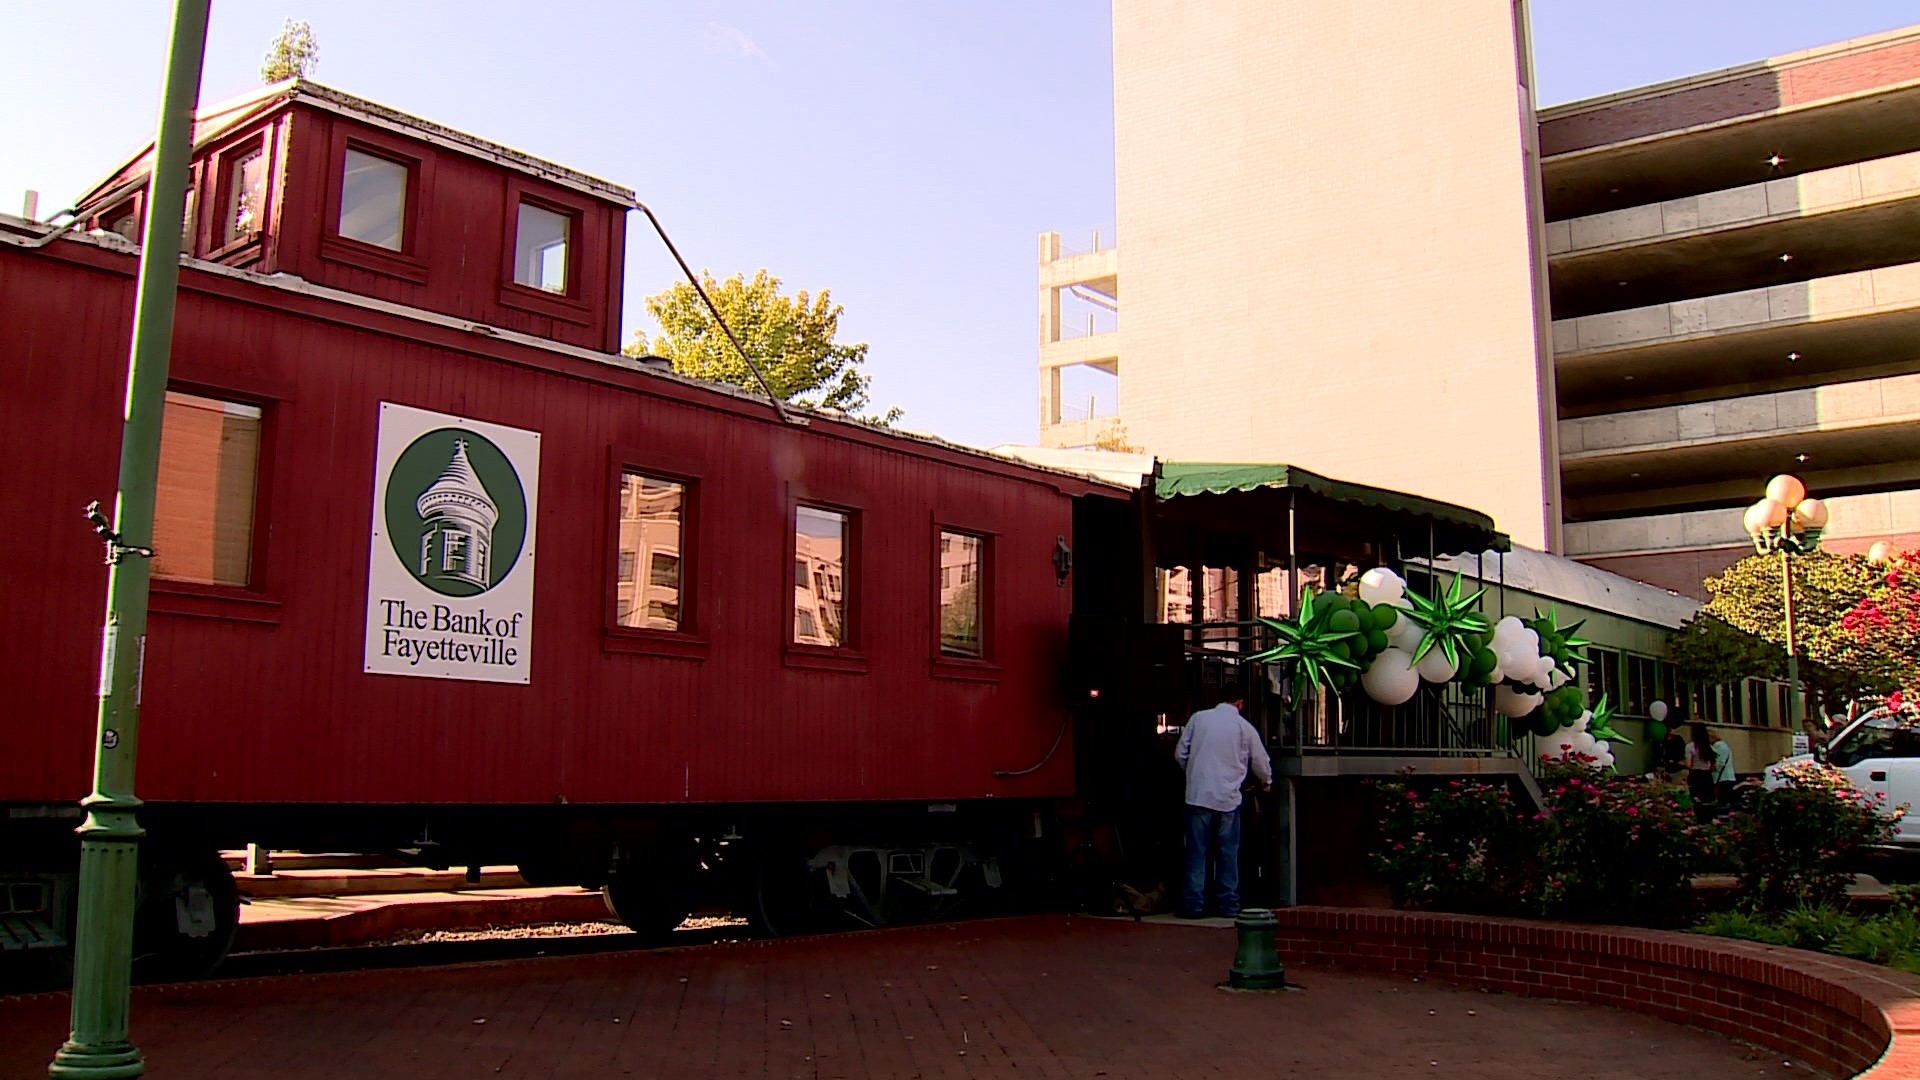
x=111, y=1061
x=1257, y=965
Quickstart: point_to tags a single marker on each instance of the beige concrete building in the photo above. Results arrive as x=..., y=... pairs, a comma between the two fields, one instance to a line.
x=1735, y=263
x=1332, y=252
x=1354, y=282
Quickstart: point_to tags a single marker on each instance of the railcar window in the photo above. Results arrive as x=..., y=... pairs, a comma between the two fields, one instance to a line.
x=540, y=248
x=246, y=196
x=373, y=200
x=652, y=528
x=822, y=560
x=203, y=507
x=963, y=561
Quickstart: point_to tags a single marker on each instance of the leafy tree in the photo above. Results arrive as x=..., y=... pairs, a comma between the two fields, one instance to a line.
x=1887, y=620
x=293, y=55
x=1114, y=438
x=1836, y=663
x=791, y=338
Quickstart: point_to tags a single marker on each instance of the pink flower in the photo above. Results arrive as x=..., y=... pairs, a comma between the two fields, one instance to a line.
x=1633, y=811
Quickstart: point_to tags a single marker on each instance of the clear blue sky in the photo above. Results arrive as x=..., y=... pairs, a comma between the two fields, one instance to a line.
x=905, y=155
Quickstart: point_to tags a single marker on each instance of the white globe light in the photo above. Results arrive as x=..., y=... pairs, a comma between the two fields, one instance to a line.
x=1658, y=710
x=1810, y=514
x=1786, y=490
x=1390, y=679
x=1881, y=552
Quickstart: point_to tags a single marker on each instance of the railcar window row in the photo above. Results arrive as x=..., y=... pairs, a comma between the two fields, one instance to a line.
x=205, y=534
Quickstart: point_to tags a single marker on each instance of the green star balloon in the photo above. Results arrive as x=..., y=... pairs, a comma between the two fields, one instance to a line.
x=1450, y=622
x=1309, y=643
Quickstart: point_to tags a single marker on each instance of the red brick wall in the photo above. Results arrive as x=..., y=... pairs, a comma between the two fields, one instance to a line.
x=1748, y=95
x=1839, y=1016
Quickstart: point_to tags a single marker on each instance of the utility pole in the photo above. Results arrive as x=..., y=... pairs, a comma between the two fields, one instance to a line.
x=97, y=1047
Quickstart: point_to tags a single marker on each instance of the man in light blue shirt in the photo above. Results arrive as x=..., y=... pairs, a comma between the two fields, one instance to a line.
x=1217, y=749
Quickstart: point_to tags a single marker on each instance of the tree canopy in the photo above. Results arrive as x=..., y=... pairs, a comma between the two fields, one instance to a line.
x=293, y=55
x=1741, y=632
x=791, y=338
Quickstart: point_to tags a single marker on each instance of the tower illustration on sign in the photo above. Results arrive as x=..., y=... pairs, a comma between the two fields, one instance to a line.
x=457, y=516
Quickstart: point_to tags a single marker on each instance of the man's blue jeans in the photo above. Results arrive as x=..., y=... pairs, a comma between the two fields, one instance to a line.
x=1214, y=833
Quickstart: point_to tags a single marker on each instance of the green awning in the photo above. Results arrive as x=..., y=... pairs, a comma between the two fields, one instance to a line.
x=1174, y=479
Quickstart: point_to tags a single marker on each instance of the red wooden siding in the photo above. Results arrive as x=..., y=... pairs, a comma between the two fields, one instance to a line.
x=258, y=695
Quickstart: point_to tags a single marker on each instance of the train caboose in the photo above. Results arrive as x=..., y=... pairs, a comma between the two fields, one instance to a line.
x=438, y=570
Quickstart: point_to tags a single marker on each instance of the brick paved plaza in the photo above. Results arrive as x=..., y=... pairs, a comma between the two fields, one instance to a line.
x=1041, y=996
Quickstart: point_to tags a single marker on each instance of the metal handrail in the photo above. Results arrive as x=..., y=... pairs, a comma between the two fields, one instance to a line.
x=1440, y=721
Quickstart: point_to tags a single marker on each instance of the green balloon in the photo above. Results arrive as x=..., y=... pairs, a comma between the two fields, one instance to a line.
x=1544, y=725
x=1343, y=621
x=1483, y=663
x=1376, y=642
x=1335, y=601
x=1384, y=616
x=1656, y=731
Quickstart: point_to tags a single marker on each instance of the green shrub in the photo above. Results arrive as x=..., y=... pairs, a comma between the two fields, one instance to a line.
x=1798, y=845
x=1613, y=850
x=1745, y=926
x=1455, y=848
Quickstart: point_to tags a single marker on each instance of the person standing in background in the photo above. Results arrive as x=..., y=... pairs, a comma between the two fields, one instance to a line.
x=1217, y=749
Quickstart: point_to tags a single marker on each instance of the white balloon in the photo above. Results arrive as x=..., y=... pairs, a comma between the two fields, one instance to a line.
x=1531, y=639
x=1606, y=760
x=1508, y=702
x=1499, y=674
x=1601, y=748
x=1581, y=724
x=1435, y=667
x=1405, y=634
x=1508, y=629
x=1658, y=710
x=1556, y=679
x=1390, y=679
x=1583, y=743
x=1381, y=586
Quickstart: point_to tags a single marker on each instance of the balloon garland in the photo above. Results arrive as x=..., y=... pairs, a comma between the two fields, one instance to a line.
x=1387, y=639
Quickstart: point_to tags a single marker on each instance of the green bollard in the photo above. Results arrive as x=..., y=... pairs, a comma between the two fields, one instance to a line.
x=1257, y=965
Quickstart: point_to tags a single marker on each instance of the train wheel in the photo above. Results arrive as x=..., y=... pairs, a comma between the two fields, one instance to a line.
x=188, y=914
x=651, y=901
x=787, y=897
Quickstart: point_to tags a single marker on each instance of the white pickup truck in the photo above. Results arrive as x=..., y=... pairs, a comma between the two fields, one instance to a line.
x=1880, y=753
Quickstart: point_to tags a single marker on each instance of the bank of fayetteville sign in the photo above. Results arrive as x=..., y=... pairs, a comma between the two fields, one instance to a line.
x=450, y=570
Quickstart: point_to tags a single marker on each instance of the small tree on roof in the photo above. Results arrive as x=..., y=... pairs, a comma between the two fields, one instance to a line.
x=293, y=55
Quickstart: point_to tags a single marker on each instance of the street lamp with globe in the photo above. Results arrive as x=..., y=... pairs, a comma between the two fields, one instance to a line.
x=1790, y=523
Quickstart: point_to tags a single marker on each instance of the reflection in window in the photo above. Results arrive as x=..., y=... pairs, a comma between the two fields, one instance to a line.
x=652, y=517
x=540, y=248
x=373, y=200
x=820, y=559
x=246, y=196
x=962, y=571
x=203, y=509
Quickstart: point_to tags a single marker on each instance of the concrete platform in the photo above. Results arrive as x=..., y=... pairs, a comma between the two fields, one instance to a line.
x=1040, y=996
x=312, y=922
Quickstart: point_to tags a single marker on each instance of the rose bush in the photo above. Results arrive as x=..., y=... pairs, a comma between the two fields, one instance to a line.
x=1800, y=843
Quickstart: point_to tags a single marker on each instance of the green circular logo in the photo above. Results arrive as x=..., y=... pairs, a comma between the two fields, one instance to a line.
x=455, y=512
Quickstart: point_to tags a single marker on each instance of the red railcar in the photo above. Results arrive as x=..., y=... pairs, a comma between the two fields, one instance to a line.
x=716, y=627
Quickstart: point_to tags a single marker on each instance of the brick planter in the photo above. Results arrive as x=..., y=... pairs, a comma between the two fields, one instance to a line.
x=1841, y=1016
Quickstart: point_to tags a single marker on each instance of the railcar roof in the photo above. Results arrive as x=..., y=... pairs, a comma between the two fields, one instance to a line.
x=213, y=120
x=22, y=233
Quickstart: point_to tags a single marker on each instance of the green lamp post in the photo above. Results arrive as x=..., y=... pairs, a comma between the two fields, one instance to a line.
x=98, y=1047
x=1789, y=523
